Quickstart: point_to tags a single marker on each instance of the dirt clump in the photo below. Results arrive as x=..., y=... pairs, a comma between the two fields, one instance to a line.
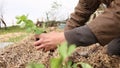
x=98, y=58
x=22, y=53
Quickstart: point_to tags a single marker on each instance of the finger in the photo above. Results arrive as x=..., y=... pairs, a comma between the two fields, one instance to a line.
x=38, y=42
x=46, y=46
x=40, y=47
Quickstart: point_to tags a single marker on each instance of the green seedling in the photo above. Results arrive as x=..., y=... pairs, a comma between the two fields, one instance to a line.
x=35, y=65
x=84, y=65
x=29, y=25
x=64, y=51
x=61, y=61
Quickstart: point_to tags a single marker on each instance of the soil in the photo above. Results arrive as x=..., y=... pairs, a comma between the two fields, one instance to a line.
x=4, y=38
x=22, y=53
x=98, y=58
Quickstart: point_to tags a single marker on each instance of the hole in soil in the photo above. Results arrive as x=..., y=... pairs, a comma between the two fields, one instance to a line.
x=37, y=36
x=37, y=39
x=52, y=50
x=45, y=32
x=79, y=66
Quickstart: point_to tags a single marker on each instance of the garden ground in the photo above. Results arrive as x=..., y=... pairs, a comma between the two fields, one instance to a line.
x=23, y=52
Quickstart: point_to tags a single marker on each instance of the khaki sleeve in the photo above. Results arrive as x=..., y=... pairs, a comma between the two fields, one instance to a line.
x=106, y=27
x=82, y=12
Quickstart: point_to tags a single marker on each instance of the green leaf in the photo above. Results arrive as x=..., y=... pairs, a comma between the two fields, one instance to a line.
x=29, y=23
x=56, y=62
x=69, y=64
x=29, y=30
x=17, y=17
x=19, y=21
x=85, y=65
x=35, y=65
x=63, y=50
x=22, y=25
x=38, y=30
x=71, y=49
x=23, y=17
x=74, y=65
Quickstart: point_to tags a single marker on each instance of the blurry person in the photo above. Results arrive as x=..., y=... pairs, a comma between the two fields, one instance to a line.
x=104, y=29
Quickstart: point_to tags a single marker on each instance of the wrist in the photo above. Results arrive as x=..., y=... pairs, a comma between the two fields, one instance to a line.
x=62, y=36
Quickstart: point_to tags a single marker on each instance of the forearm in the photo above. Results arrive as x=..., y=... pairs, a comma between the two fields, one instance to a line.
x=81, y=36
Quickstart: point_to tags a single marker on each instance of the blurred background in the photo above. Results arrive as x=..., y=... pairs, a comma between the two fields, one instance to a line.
x=42, y=10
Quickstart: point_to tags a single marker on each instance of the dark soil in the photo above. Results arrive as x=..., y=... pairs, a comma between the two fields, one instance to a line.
x=22, y=53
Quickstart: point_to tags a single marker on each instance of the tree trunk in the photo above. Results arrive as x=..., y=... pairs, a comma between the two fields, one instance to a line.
x=0, y=24
x=2, y=21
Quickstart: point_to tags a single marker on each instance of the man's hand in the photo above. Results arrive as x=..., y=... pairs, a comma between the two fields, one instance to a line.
x=49, y=41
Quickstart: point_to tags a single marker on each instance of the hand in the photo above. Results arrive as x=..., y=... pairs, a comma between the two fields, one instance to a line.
x=49, y=41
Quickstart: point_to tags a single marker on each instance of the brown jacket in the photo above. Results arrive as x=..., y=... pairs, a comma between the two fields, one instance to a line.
x=105, y=27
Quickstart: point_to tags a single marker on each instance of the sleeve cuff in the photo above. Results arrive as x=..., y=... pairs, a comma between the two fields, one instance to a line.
x=81, y=36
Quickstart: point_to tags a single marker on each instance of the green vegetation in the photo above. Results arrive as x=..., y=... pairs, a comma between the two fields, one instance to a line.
x=29, y=25
x=61, y=61
x=35, y=65
x=64, y=52
x=11, y=29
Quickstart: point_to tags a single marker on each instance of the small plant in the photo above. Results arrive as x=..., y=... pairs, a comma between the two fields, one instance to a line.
x=64, y=51
x=29, y=25
x=61, y=61
x=35, y=65
x=84, y=65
